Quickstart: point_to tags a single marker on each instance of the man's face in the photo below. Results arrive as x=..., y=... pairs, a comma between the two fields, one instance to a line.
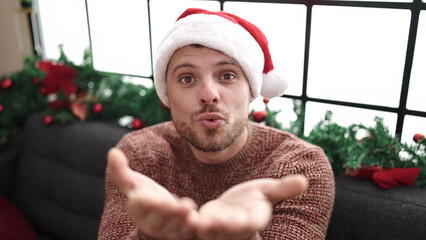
x=208, y=96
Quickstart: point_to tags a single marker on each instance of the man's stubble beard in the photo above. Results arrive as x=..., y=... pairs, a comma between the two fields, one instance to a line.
x=210, y=144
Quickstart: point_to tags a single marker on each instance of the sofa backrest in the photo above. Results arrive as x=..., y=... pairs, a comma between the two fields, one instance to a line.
x=362, y=210
x=60, y=176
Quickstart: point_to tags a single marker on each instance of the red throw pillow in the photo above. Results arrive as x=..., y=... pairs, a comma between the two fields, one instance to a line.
x=13, y=224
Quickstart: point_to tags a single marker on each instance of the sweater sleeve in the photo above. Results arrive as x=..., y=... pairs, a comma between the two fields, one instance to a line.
x=305, y=216
x=116, y=222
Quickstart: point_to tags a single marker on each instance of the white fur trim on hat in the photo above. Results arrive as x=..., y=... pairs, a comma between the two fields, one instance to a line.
x=221, y=34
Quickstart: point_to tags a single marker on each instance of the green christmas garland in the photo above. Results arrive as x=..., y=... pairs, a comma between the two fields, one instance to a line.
x=69, y=93
x=378, y=149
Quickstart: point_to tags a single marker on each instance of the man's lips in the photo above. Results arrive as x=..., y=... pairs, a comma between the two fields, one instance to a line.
x=211, y=120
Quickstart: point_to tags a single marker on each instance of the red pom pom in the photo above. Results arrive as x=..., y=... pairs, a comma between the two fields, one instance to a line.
x=259, y=116
x=265, y=100
x=97, y=108
x=138, y=124
x=418, y=137
x=6, y=83
x=47, y=120
x=1, y=108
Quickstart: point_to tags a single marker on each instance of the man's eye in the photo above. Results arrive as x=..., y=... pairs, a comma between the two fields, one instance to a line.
x=187, y=80
x=227, y=76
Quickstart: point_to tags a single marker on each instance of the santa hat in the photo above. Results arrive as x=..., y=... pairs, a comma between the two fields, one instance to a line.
x=229, y=34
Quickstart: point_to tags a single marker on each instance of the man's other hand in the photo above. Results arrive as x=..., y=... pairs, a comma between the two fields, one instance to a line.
x=245, y=209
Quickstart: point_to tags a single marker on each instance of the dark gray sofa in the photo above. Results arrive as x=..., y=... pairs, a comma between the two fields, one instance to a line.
x=54, y=174
x=59, y=175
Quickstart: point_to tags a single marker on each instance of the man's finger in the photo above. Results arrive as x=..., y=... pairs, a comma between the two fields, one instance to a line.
x=286, y=187
x=120, y=170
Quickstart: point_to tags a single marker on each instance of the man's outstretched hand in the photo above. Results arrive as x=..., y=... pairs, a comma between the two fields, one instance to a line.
x=239, y=213
x=154, y=210
x=243, y=210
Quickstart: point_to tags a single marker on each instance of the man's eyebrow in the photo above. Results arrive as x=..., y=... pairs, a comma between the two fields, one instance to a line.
x=190, y=65
x=183, y=65
x=225, y=62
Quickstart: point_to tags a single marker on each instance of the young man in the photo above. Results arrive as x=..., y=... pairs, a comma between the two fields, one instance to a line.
x=210, y=173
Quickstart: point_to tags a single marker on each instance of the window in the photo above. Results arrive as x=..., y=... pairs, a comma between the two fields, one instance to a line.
x=359, y=59
x=417, y=95
x=120, y=36
x=345, y=116
x=63, y=22
x=358, y=53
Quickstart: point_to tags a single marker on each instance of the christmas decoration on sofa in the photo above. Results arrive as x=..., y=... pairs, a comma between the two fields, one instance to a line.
x=68, y=93
x=378, y=156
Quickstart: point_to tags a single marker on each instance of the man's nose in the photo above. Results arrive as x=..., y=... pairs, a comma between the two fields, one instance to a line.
x=209, y=92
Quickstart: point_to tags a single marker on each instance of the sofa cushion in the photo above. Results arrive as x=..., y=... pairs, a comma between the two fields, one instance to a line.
x=13, y=224
x=60, y=176
x=8, y=161
x=362, y=210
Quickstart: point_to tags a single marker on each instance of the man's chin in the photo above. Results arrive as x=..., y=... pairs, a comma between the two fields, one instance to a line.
x=211, y=143
x=210, y=147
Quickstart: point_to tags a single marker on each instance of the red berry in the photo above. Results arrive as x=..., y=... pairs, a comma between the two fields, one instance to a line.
x=6, y=83
x=137, y=123
x=418, y=137
x=259, y=116
x=265, y=100
x=97, y=108
x=47, y=120
x=1, y=108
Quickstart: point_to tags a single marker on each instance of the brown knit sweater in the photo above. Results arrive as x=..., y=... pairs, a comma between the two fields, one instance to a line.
x=161, y=154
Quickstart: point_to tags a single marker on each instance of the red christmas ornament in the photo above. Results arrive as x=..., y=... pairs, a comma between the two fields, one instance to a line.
x=6, y=83
x=35, y=81
x=42, y=90
x=1, y=108
x=47, y=120
x=418, y=137
x=265, y=100
x=259, y=116
x=138, y=124
x=97, y=108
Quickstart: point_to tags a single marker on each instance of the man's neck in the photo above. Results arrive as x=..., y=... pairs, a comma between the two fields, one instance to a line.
x=224, y=155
